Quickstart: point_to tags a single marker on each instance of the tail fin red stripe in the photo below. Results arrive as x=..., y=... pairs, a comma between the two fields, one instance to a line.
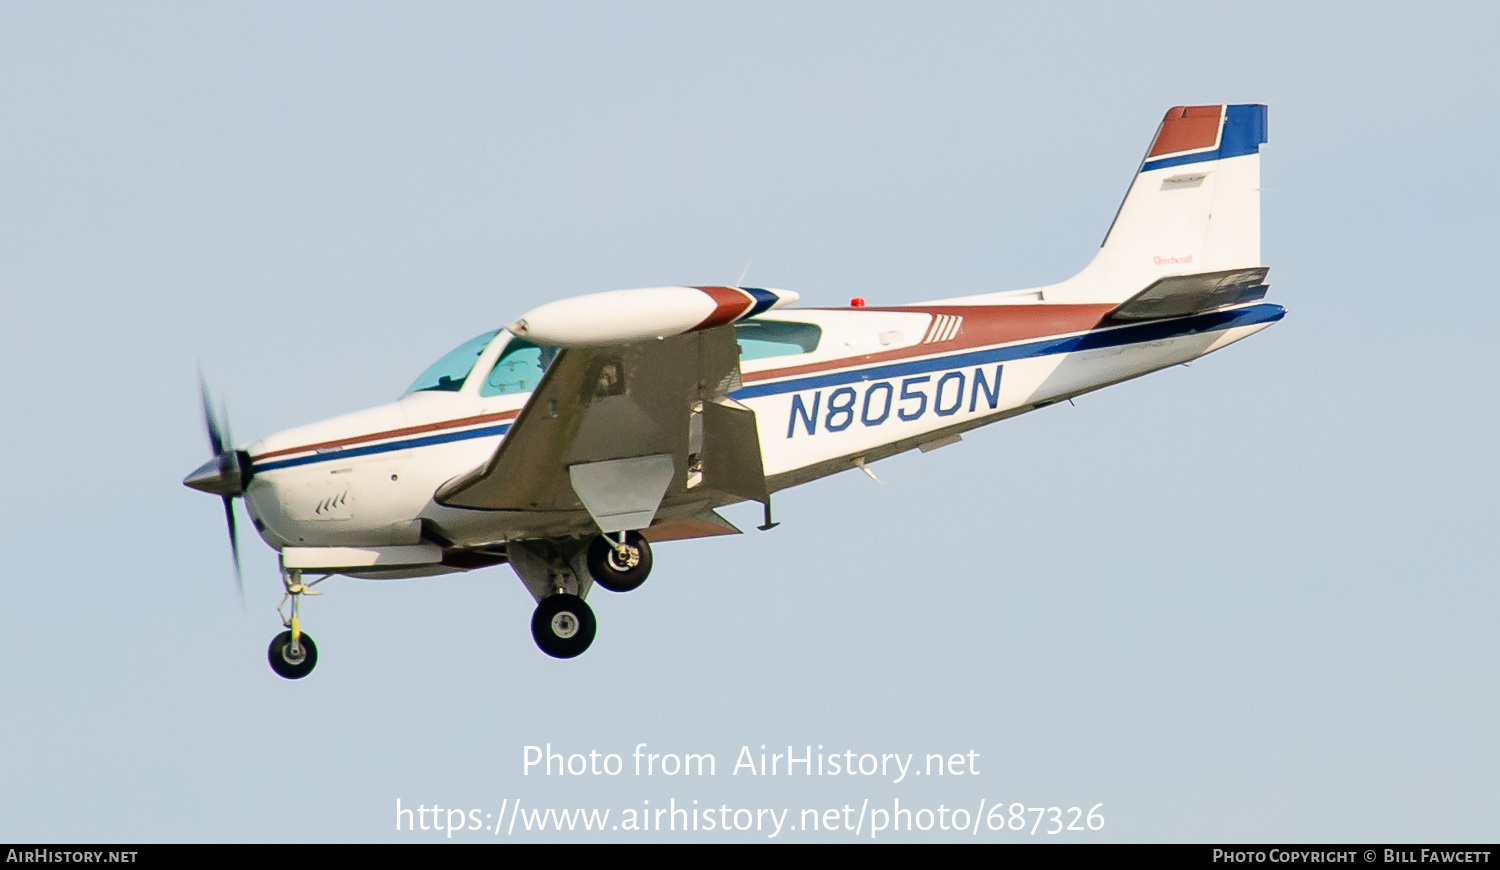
x=1187, y=128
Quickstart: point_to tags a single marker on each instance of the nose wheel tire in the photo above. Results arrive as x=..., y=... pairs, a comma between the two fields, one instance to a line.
x=563, y=626
x=289, y=663
x=619, y=568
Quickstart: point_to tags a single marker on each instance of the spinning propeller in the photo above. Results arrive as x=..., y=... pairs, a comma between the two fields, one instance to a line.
x=225, y=475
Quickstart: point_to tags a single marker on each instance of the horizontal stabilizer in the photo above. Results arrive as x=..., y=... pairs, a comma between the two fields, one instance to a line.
x=1180, y=295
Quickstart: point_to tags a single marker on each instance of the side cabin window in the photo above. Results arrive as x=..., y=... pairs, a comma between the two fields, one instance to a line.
x=762, y=339
x=518, y=370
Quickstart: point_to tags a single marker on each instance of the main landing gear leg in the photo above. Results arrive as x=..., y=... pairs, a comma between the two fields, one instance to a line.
x=619, y=565
x=563, y=625
x=555, y=574
x=293, y=653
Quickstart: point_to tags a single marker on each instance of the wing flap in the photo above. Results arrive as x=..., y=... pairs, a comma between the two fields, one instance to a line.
x=731, y=451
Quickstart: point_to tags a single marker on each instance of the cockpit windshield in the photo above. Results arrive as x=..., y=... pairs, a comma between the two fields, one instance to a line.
x=448, y=373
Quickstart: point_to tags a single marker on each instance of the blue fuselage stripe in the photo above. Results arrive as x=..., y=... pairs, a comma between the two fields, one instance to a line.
x=387, y=447
x=1097, y=340
x=1144, y=332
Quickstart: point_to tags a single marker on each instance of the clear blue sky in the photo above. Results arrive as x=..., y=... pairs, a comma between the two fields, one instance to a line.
x=1248, y=600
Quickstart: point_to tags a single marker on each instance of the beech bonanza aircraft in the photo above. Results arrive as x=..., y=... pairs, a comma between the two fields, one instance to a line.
x=591, y=428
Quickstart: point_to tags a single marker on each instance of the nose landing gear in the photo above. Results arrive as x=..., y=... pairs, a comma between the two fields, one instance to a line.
x=292, y=661
x=293, y=653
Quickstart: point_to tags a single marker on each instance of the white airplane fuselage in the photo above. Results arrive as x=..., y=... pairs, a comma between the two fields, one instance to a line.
x=879, y=382
x=594, y=427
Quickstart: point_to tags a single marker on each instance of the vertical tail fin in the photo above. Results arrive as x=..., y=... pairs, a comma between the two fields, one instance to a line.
x=1194, y=206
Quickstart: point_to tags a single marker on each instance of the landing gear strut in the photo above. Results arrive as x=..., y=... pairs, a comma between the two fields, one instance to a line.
x=293, y=653
x=619, y=565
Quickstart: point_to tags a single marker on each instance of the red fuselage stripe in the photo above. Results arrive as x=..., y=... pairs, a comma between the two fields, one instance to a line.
x=983, y=325
x=392, y=433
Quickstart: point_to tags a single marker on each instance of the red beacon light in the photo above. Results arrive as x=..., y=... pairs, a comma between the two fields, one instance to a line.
x=857, y=302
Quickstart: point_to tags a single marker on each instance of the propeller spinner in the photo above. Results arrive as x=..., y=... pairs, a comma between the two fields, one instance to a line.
x=225, y=475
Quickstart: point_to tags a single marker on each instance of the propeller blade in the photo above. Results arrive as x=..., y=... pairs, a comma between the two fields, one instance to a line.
x=224, y=475
x=234, y=547
x=210, y=422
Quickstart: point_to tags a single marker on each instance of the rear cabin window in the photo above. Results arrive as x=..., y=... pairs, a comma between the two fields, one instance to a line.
x=762, y=339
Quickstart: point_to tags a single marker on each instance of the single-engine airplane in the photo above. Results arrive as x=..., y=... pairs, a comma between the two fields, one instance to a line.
x=571, y=441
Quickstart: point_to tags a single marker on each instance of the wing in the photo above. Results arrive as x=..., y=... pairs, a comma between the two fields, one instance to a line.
x=613, y=434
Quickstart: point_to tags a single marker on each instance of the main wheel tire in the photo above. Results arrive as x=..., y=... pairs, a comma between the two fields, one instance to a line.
x=614, y=573
x=287, y=665
x=563, y=626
